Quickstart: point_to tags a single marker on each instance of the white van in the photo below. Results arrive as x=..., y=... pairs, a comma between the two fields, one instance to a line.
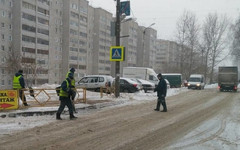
x=196, y=81
x=141, y=73
x=94, y=82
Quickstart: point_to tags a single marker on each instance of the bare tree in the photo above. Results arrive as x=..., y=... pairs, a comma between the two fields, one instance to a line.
x=192, y=37
x=214, y=31
x=235, y=28
x=13, y=61
x=187, y=38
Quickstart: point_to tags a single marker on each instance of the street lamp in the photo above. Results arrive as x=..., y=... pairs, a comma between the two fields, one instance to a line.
x=144, y=31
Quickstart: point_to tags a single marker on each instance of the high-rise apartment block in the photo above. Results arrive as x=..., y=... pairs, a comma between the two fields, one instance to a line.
x=46, y=38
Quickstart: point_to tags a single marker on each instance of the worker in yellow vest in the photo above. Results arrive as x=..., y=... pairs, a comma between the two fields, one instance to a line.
x=73, y=94
x=65, y=92
x=19, y=84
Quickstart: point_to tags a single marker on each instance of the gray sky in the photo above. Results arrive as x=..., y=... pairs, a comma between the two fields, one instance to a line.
x=165, y=13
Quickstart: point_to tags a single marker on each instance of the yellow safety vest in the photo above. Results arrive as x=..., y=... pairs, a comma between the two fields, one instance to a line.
x=72, y=81
x=63, y=93
x=16, y=82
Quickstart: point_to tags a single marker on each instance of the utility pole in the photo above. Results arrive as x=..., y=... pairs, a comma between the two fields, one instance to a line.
x=117, y=72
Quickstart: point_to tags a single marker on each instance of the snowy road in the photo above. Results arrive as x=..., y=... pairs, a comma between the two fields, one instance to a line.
x=196, y=119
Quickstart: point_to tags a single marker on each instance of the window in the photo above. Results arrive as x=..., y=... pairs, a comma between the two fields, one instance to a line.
x=74, y=15
x=2, y=71
x=28, y=17
x=2, y=83
x=43, y=11
x=42, y=41
x=43, y=31
x=3, y=47
x=28, y=60
x=74, y=6
x=28, y=39
x=28, y=28
x=28, y=6
x=44, y=52
x=82, y=67
x=3, y=37
x=43, y=21
x=3, y=13
x=2, y=25
x=46, y=2
x=29, y=50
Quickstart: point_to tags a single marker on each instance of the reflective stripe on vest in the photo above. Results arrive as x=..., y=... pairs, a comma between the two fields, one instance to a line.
x=16, y=82
x=63, y=93
x=72, y=81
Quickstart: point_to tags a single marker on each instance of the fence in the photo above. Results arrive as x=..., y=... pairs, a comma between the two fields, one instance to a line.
x=48, y=97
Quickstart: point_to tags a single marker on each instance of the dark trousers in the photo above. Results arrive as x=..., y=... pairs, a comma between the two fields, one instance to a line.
x=72, y=97
x=22, y=96
x=162, y=101
x=63, y=102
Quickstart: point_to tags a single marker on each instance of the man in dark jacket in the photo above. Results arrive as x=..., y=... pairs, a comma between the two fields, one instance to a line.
x=19, y=84
x=65, y=92
x=161, y=93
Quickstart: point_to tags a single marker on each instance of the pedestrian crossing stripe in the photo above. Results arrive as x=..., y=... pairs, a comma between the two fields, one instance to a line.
x=117, y=53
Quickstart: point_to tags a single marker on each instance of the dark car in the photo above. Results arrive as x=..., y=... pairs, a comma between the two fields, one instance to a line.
x=146, y=85
x=127, y=85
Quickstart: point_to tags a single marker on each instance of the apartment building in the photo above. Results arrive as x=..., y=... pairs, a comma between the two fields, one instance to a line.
x=75, y=37
x=5, y=42
x=102, y=42
x=129, y=41
x=31, y=38
x=48, y=37
x=167, y=57
x=146, y=47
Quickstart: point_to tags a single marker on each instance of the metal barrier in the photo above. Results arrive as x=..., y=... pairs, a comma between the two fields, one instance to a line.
x=107, y=90
x=45, y=97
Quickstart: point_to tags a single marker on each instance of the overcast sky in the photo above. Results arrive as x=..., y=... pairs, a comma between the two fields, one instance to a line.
x=165, y=13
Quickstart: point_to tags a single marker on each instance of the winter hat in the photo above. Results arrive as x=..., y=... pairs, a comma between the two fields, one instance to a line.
x=159, y=75
x=72, y=70
x=20, y=71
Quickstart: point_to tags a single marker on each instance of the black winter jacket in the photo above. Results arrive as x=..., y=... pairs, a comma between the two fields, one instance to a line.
x=161, y=88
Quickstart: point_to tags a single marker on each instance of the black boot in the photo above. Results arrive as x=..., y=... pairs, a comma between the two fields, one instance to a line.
x=25, y=104
x=72, y=117
x=158, y=106
x=58, y=117
x=164, y=107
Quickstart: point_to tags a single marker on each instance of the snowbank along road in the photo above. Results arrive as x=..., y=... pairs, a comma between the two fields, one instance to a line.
x=197, y=119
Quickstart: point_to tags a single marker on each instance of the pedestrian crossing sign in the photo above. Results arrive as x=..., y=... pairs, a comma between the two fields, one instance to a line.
x=116, y=53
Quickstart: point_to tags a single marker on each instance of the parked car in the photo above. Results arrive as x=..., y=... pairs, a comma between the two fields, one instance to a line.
x=128, y=86
x=139, y=83
x=146, y=85
x=95, y=82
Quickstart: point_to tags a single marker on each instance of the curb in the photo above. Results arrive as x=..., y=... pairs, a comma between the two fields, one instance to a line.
x=53, y=112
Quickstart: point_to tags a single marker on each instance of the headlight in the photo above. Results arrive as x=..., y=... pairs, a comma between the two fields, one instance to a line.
x=198, y=84
x=188, y=84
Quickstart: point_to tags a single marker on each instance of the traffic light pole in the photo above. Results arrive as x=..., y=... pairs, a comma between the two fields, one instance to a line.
x=117, y=71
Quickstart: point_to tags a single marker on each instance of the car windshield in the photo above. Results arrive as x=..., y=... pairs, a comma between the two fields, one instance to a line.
x=194, y=80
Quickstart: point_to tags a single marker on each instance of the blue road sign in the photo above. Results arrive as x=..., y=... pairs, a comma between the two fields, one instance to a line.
x=117, y=53
x=125, y=8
